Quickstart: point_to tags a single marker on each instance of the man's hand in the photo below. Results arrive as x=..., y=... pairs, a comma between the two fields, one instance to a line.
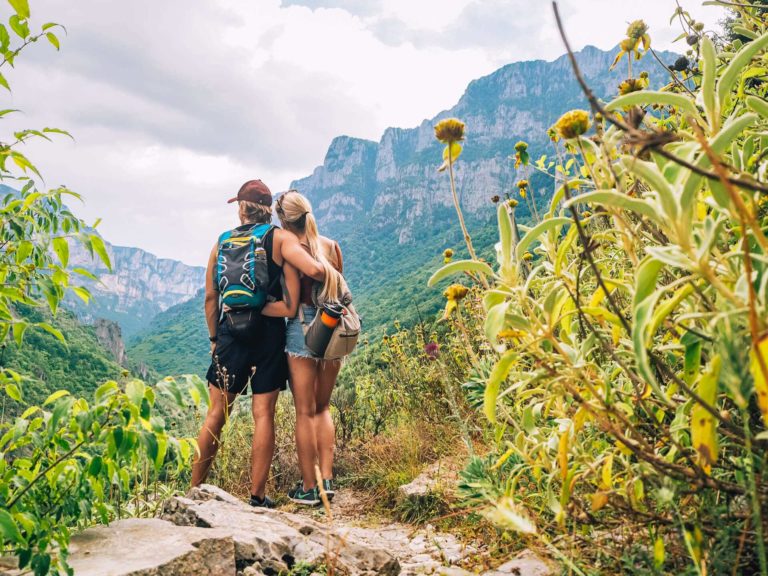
x=213, y=347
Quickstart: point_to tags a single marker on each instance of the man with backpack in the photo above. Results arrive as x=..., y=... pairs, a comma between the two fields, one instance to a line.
x=245, y=309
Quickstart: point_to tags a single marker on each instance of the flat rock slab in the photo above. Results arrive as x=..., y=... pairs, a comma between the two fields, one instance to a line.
x=272, y=541
x=151, y=547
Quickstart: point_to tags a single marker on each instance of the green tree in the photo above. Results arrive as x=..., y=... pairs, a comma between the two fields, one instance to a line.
x=67, y=462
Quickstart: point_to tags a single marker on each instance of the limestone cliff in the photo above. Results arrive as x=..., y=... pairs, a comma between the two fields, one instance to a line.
x=139, y=286
x=375, y=185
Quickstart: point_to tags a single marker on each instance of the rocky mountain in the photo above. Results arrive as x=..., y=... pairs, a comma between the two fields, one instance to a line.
x=392, y=212
x=139, y=286
x=377, y=184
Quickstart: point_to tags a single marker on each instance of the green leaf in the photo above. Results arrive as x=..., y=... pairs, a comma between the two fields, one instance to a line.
x=19, y=26
x=106, y=390
x=135, y=392
x=82, y=293
x=618, y=200
x=692, y=358
x=13, y=391
x=61, y=247
x=758, y=105
x=471, y=266
x=494, y=322
x=53, y=40
x=21, y=7
x=651, y=97
x=498, y=375
x=709, y=64
x=573, y=185
x=506, y=239
x=658, y=184
x=162, y=449
x=4, y=83
x=101, y=250
x=5, y=39
x=56, y=333
x=55, y=396
x=18, y=331
x=547, y=225
x=8, y=529
x=738, y=63
x=645, y=299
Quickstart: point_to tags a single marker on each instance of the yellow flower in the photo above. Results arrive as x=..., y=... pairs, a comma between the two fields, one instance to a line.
x=637, y=34
x=522, y=193
x=521, y=146
x=449, y=130
x=527, y=256
x=448, y=253
x=511, y=202
x=572, y=124
x=522, y=184
x=632, y=85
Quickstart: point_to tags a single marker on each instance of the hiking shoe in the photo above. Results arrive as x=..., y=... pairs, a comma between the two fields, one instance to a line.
x=328, y=488
x=309, y=497
x=265, y=502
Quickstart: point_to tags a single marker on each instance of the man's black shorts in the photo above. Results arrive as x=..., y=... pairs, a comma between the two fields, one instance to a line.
x=260, y=361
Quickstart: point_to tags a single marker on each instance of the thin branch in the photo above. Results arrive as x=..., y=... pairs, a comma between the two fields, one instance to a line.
x=639, y=135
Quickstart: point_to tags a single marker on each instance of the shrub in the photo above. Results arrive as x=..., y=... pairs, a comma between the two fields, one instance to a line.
x=629, y=389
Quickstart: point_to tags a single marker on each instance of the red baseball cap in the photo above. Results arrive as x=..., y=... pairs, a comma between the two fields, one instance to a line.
x=254, y=191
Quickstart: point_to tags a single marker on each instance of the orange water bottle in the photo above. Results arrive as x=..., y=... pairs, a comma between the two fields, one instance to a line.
x=321, y=329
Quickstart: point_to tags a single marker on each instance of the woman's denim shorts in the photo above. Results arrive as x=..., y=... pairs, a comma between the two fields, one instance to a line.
x=294, y=341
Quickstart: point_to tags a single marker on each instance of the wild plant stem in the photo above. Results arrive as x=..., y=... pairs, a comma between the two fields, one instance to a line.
x=464, y=230
x=757, y=517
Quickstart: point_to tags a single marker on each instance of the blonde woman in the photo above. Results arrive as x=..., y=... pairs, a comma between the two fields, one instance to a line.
x=311, y=379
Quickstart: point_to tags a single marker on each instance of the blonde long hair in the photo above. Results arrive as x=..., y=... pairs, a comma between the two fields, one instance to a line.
x=295, y=213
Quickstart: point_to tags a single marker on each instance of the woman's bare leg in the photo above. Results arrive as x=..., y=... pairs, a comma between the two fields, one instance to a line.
x=210, y=434
x=325, y=431
x=263, y=445
x=303, y=372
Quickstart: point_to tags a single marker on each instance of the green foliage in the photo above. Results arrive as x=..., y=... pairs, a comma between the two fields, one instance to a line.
x=631, y=382
x=70, y=462
x=47, y=364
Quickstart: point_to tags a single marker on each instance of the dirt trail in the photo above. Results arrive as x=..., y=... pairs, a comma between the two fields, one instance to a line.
x=420, y=550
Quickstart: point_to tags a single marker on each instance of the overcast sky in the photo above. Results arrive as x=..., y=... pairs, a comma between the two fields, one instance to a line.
x=174, y=103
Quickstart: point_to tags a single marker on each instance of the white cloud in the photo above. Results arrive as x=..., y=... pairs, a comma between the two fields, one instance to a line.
x=174, y=104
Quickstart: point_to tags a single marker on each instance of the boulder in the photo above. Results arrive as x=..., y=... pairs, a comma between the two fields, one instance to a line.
x=273, y=541
x=437, y=479
x=151, y=547
x=527, y=563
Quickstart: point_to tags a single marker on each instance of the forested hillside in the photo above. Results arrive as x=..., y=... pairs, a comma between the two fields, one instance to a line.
x=79, y=365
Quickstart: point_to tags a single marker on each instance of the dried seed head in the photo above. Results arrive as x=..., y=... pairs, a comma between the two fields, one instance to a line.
x=455, y=292
x=449, y=130
x=637, y=29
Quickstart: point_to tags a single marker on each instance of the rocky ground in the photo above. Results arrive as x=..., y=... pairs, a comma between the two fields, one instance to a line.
x=210, y=532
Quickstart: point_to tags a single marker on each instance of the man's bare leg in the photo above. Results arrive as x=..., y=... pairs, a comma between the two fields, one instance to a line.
x=210, y=434
x=263, y=447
